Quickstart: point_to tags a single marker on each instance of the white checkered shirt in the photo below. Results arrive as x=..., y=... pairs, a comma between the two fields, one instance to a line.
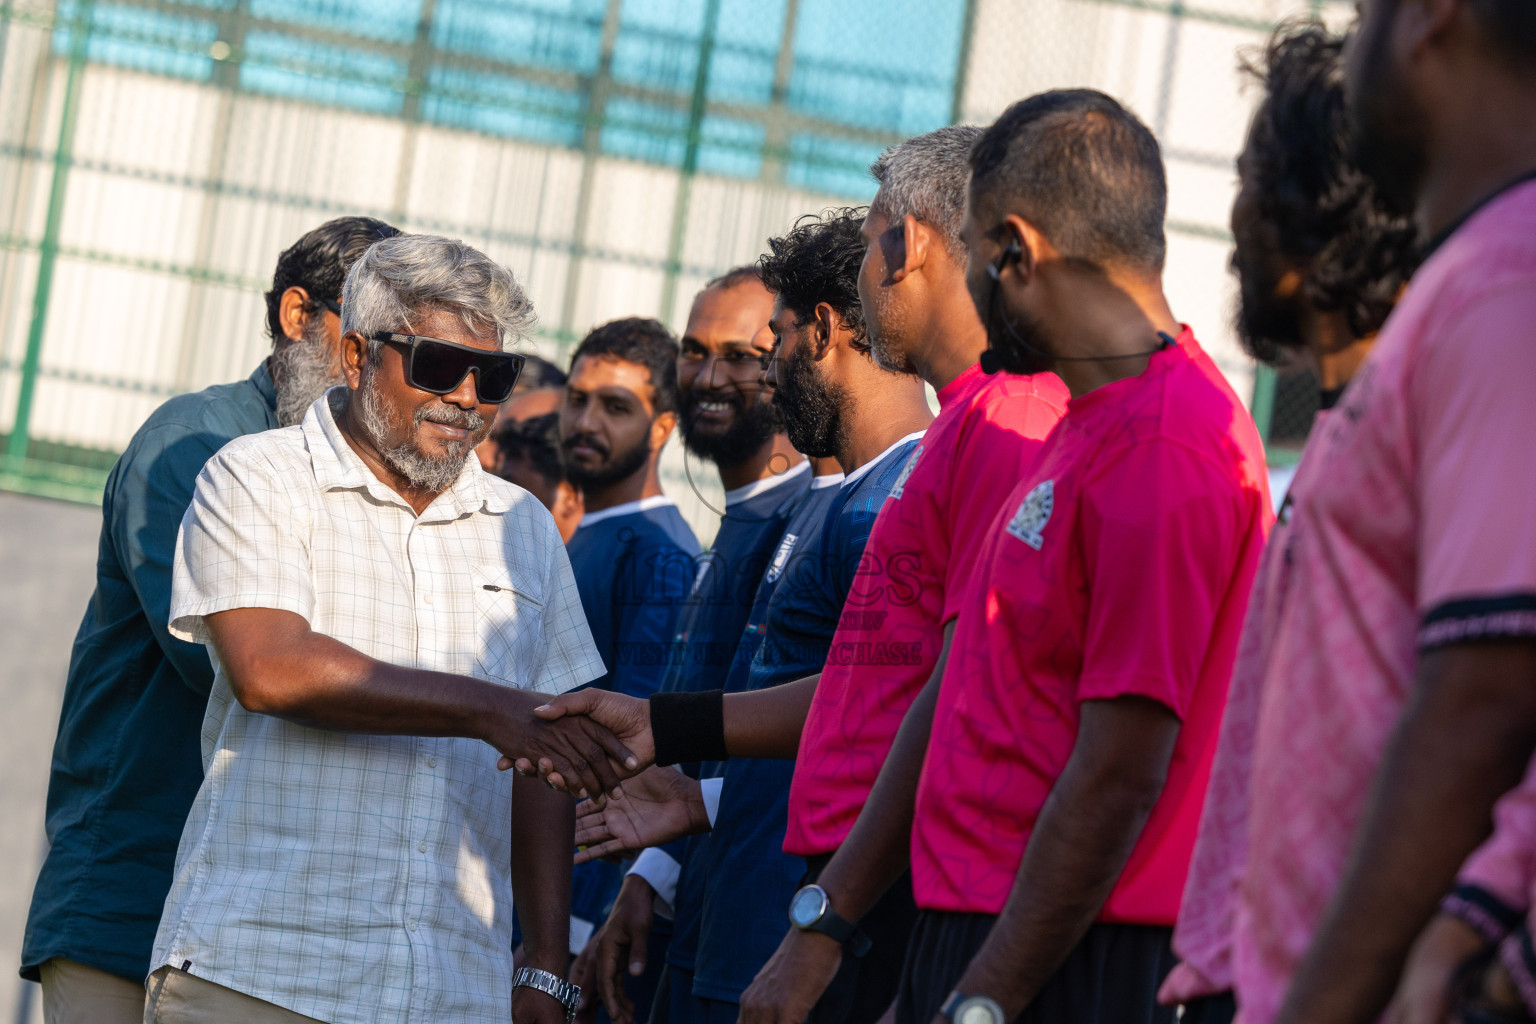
x=350, y=877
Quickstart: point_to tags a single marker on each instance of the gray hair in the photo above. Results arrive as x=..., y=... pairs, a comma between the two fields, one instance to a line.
x=400, y=277
x=927, y=176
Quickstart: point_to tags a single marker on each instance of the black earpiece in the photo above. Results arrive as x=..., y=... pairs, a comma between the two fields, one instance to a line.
x=1013, y=252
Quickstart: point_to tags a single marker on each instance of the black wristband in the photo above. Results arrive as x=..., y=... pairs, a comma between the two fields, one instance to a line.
x=688, y=726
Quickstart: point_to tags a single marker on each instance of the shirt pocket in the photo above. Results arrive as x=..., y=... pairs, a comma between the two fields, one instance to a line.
x=509, y=624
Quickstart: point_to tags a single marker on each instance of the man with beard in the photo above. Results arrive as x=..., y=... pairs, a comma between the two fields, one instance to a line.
x=377, y=608
x=1410, y=644
x=1320, y=262
x=1046, y=795
x=126, y=762
x=836, y=402
x=728, y=418
x=633, y=554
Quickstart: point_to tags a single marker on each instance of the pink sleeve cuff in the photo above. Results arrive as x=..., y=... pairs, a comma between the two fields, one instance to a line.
x=1482, y=911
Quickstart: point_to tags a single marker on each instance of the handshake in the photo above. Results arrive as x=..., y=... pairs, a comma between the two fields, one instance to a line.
x=585, y=742
x=589, y=743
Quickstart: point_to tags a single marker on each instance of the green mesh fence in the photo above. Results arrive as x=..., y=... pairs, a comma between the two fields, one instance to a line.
x=156, y=155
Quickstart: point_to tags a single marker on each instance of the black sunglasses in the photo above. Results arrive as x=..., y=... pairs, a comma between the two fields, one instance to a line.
x=440, y=366
x=331, y=304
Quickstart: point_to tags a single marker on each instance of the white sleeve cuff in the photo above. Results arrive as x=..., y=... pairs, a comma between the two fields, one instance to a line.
x=581, y=934
x=658, y=868
x=709, y=789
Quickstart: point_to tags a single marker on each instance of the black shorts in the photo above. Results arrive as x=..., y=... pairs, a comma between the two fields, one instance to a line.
x=1110, y=977
x=1218, y=1009
x=865, y=986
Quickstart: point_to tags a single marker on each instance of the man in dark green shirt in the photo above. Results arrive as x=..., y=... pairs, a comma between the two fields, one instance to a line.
x=127, y=762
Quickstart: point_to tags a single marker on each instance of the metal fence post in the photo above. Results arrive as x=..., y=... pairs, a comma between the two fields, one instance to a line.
x=1263, y=405
x=48, y=249
x=690, y=158
x=962, y=62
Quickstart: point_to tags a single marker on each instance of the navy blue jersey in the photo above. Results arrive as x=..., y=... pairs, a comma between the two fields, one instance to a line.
x=634, y=564
x=809, y=510
x=750, y=877
x=726, y=578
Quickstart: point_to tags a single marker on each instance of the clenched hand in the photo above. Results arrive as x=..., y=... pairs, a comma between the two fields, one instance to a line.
x=793, y=979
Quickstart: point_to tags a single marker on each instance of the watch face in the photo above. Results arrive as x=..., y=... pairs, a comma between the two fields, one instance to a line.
x=977, y=1012
x=807, y=907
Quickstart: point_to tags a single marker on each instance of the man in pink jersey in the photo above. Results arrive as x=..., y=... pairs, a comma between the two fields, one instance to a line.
x=920, y=555
x=1047, y=792
x=1320, y=262
x=1408, y=644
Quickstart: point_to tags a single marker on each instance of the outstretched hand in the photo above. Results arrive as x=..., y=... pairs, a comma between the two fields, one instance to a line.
x=626, y=719
x=658, y=806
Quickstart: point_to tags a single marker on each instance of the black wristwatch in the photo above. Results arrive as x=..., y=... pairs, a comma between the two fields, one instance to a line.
x=964, y=1009
x=811, y=911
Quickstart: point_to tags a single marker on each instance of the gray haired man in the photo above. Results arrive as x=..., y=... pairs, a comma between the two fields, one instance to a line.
x=379, y=608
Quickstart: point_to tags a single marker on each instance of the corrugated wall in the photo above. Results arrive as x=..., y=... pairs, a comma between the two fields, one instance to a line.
x=155, y=156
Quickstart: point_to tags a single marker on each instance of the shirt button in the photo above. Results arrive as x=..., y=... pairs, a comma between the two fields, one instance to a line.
x=427, y=598
x=421, y=847
x=431, y=762
x=410, y=924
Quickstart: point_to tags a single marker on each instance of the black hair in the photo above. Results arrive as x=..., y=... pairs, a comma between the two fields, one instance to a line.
x=735, y=276
x=536, y=439
x=818, y=261
x=539, y=373
x=1511, y=27
x=1325, y=212
x=319, y=261
x=644, y=342
x=1084, y=171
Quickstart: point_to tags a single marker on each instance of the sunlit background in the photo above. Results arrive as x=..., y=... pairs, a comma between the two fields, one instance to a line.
x=156, y=155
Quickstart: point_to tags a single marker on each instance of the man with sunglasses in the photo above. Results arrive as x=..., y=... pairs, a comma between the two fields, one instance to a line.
x=126, y=763
x=379, y=610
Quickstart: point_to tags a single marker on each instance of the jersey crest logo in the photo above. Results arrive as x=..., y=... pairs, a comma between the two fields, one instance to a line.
x=780, y=558
x=1028, y=522
x=906, y=471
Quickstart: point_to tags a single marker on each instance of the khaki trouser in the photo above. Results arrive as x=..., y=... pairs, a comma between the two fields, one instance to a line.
x=76, y=994
x=176, y=997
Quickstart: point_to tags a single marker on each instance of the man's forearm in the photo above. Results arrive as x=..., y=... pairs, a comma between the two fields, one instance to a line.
x=276, y=665
x=767, y=723
x=314, y=680
x=543, y=829
x=1464, y=740
x=879, y=848
x=1080, y=844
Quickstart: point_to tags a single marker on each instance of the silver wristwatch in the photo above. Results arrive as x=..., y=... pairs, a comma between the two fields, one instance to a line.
x=964, y=1009
x=551, y=985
